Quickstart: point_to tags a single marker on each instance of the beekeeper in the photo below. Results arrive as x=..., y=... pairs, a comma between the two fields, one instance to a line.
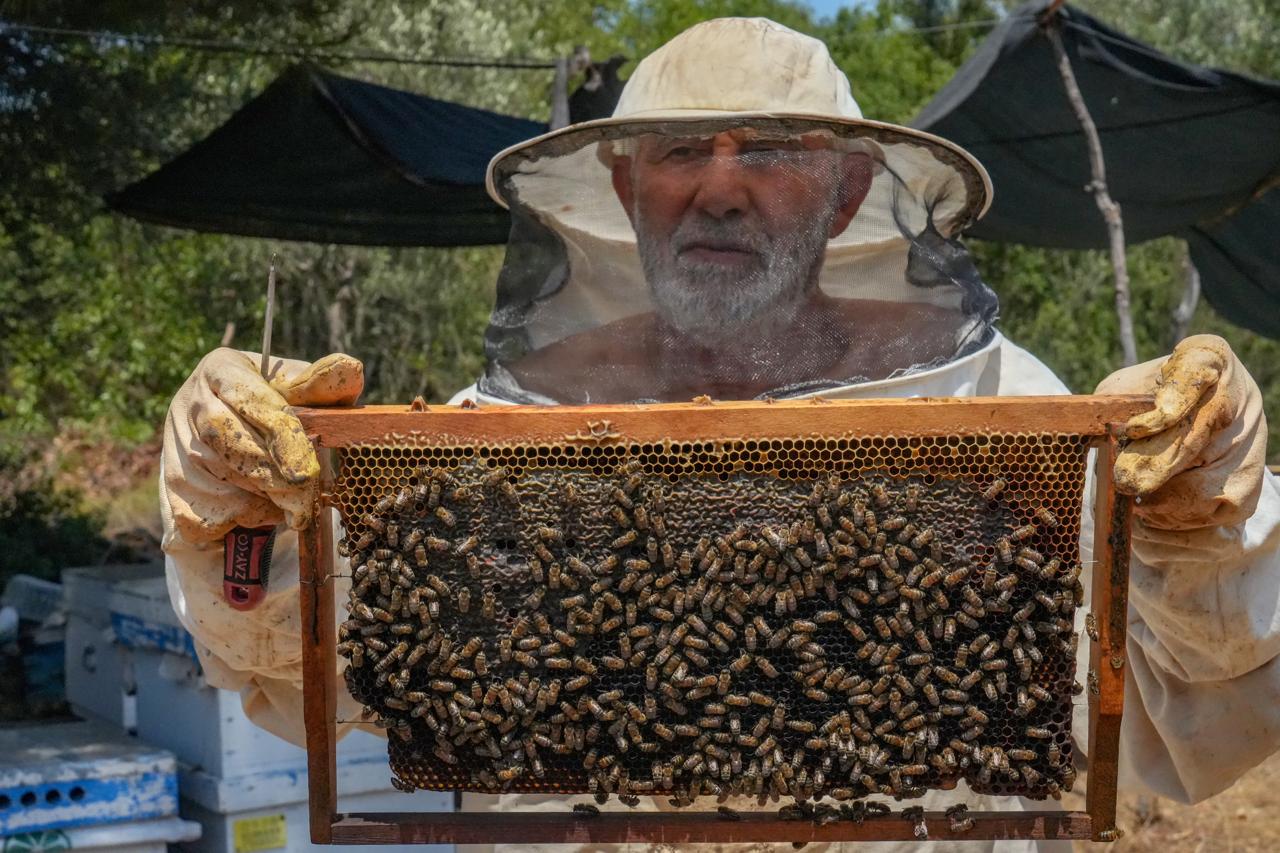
x=738, y=230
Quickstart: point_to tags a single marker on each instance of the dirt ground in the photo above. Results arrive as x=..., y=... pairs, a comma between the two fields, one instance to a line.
x=1244, y=819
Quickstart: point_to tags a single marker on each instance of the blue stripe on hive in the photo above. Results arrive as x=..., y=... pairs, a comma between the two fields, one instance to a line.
x=85, y=802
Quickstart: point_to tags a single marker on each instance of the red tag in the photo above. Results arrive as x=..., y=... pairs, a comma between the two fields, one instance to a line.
x=247, y=566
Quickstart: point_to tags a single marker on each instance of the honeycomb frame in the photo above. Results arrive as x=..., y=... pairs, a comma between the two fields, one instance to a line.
x=1034, y=447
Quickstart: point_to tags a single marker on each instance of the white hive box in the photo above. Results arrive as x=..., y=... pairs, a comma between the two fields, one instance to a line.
x=266, y=808
x=206, y=728
x=34, y=599
x=269, y=812
x=143, y=836
x=99, y=667
x=86, y=785
x=246, y=787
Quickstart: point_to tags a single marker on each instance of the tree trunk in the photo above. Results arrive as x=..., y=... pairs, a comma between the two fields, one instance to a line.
x=1098, y=186
x=337, y=319
x=560, y=95
x=1186, y=308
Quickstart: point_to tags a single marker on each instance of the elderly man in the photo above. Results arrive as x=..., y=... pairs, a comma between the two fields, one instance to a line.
x=738, y=230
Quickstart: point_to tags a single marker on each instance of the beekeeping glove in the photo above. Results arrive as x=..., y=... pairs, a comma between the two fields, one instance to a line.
x=233, y=454
x=1197, y=458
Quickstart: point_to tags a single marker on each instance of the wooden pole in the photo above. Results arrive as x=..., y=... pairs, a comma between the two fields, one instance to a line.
x=560, y=95
x=1098, y=186
x=1186, y=308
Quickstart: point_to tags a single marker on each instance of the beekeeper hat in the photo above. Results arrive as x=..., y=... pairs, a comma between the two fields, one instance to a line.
x=574, y=297
x=749, y=72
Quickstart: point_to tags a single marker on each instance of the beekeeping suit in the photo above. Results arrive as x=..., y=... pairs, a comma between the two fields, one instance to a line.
x=738, y=156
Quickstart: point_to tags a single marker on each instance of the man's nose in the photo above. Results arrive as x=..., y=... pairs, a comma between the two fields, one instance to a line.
x=722, y=188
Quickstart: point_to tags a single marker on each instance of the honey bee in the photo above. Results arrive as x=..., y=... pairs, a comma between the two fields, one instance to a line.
x=1022, y=533
x=764, y=666
x=994, y=490
x=1046, y=517
x=922, y=538
x=417, y=654
x=958, y=818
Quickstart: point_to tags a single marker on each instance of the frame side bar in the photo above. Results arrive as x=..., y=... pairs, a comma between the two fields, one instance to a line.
x=319, y=663
x=1110, y=607
x=674, y=828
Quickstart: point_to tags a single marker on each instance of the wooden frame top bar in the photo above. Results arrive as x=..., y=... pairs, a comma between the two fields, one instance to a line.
x=1075, y=414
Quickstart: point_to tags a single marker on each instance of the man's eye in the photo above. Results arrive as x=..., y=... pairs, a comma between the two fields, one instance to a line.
x=680, y=152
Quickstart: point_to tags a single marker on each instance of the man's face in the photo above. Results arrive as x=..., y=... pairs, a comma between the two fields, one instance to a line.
x=731, y=228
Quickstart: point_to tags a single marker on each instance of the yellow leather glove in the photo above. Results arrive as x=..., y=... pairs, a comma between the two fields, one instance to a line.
x=1198, y=457
x=233, y=455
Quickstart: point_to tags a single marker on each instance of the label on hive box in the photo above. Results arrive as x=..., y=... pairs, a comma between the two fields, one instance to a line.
x=268, y=832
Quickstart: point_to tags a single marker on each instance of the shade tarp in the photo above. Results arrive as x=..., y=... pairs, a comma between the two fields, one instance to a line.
x=325, y=158
x=1190, y=151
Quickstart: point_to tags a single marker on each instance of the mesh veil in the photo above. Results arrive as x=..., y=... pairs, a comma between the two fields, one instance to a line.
x=658, y=261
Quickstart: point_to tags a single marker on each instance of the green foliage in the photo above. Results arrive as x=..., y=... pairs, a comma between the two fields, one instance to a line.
x=893, y=72
x=43, y=528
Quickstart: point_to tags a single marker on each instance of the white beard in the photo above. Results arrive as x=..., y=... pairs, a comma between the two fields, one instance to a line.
x=715, y=302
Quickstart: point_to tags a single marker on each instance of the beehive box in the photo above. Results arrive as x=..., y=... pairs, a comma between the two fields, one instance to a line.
x=813, y=600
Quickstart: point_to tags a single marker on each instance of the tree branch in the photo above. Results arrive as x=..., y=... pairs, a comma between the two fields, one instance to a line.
x=1098, y=186
x=1186, y=308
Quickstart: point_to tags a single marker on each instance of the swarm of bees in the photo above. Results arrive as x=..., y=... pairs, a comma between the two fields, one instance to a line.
x=627, y=635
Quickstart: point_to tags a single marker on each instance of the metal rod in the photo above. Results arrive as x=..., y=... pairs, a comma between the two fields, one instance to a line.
x=267, y=318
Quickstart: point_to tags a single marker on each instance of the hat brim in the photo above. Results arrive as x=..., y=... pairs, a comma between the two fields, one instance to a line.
x=951, y=158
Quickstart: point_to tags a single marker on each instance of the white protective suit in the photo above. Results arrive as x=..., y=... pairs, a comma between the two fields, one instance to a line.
x=1203, y=676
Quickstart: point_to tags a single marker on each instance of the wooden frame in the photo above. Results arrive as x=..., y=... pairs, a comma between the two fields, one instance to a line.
x=1096, y=417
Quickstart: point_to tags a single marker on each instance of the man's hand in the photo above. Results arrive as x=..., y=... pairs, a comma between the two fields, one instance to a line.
x=1197, y=458
x=234, y=456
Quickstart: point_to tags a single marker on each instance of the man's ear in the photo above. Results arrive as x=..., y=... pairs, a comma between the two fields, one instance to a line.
x=621, y=174
x=855, y=173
